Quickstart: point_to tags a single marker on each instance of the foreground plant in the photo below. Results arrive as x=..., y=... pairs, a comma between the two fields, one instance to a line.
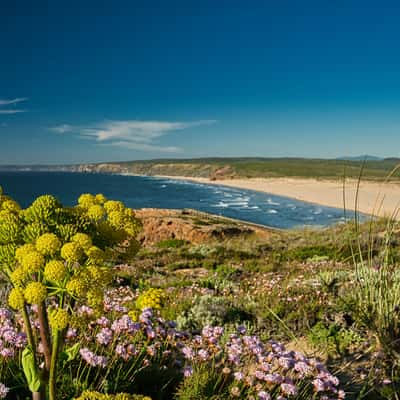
x=244, y=367
x=53, y=257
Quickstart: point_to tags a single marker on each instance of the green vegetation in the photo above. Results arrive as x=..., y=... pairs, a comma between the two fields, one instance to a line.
x=262, y=167
x=251, y=316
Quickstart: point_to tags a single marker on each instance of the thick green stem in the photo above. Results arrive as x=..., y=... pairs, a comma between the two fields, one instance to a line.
x=53, y=365
x=31, y=342
x=28, y=329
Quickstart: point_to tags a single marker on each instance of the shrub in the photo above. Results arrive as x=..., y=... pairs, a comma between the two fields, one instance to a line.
x=210, y=310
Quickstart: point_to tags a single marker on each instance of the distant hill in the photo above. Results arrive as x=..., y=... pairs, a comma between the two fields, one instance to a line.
x=244, y=167
x=365, y=157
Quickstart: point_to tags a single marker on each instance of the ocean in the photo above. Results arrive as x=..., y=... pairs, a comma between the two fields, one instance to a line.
x=151, y=192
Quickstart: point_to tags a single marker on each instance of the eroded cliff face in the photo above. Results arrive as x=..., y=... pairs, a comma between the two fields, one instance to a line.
x=98, y=168
x=190, y=225
x=214, y=171
x=154, y=168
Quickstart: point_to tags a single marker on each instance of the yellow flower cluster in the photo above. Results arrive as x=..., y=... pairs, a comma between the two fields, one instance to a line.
x=10, y=227
x=32, y=262
x=55, y=271
x=18, y=276
x=48, y=244
x=100, y=198
x=72, y=252
x=86, y=200
x=95, y=255
x=58, y=319
x=16, y=298
x=98, y=276
x=114, y=219
x=133, y=315
x=113, y=205
x=42, y=209
x=151, y=298
x=66, y=231
x=23, y=250
x=7, y=254
x=96, y=212
x=10, y=205
x=117, y=219
x=35, y=292
x=95, y=298
x=83, y=240
x=89, y=395
x=76, y=287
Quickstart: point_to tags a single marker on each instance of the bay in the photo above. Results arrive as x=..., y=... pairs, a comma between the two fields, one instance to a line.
x=152, y=192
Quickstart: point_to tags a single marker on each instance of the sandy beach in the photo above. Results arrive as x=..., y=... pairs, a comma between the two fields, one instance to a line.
x=373, y=197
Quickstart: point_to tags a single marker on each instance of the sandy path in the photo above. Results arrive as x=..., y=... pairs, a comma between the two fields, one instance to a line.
x=373, y=197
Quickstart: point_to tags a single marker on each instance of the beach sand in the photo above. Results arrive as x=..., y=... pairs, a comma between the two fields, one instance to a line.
x=375, y=198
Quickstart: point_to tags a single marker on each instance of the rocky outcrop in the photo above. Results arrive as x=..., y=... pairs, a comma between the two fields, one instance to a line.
x=189, y=225
x=226, y=172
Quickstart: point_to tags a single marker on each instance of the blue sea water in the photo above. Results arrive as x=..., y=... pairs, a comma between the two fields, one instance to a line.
x=140, y=192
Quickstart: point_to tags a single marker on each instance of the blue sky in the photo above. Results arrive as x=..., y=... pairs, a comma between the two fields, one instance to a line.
x=87, y=81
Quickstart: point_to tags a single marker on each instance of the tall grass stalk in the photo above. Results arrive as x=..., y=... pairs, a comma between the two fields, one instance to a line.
x=376, y=292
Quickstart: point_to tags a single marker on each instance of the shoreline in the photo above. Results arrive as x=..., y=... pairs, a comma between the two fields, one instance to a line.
x=373, y=198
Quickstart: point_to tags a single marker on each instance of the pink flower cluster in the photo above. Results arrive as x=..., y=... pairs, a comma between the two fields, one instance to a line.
x=3, y=391
x=258, y=368
x=93, y=359
x=10, y=338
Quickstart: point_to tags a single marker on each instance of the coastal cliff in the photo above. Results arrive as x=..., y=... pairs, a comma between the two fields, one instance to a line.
x=228, y=168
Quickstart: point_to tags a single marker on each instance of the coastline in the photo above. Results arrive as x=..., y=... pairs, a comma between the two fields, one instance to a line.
x=373, y=198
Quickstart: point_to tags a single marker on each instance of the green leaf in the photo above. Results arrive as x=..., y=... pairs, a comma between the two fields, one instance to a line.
x=30, y=370
x=72, y=351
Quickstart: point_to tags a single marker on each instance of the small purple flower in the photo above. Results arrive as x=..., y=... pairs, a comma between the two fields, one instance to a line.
x=289, y=388
x=238, y=376
x=3, y=391
x=273, y=378
x=319, y=385
x=203, y=355
x=302, y=367
x=263, y=395
x=103, y=321
x=241, y=330
x=188, y=353
x=7, y=353
x=71, y=333
x=259, y=375
x=93, y=359
x=187, y=372
x=105, y=336
x=5, y=314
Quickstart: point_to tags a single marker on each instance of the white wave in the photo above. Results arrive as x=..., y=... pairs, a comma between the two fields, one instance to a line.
x=272, y=211
x=221, y=204
x=273, y=203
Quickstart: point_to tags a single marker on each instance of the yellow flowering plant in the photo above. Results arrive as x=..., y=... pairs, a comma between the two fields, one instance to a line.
x=54, y=256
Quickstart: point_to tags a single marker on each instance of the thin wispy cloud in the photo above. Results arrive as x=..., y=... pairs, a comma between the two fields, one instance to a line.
x=62, y=128
x=11, y=102
x=11, y=111
x=7, y=102
x=131, y=134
